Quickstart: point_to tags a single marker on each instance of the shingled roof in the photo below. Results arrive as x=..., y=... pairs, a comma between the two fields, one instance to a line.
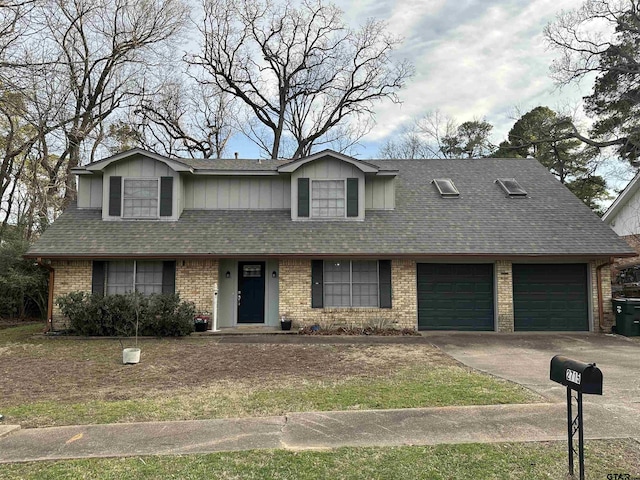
x=483, y=220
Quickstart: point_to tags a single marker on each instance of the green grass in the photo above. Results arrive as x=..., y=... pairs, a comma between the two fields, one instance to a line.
x=80, y=381
x=524, y=461
x=444, y=386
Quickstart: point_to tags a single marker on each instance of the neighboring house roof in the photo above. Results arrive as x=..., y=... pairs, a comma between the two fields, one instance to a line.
x=618, y=204
x=550, y=221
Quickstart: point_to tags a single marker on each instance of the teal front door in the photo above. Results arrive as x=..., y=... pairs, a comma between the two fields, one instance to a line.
x=251, y=281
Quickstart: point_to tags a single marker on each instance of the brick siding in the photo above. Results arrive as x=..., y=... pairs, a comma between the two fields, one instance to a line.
x=504, y=280
x=607, y=307
x=195, y=281
x=295, y=299
x=70, y=276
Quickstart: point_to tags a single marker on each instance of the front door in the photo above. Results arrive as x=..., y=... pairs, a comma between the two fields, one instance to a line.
x=251, y=292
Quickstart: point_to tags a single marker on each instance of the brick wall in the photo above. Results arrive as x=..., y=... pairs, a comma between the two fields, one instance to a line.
x=70, y=276
x=607, y=308
x=295, y=298
x=504, y=280
x=195, y=281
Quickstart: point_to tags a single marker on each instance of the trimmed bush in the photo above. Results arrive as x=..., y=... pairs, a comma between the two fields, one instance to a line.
x=115, y=315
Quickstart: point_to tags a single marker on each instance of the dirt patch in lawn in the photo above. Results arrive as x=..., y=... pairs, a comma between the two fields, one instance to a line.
x=69, y=370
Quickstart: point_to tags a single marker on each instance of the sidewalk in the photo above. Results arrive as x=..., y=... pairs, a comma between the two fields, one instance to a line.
x=316, y=430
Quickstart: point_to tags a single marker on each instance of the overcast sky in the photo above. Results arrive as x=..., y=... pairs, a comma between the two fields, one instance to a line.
x=472, y=59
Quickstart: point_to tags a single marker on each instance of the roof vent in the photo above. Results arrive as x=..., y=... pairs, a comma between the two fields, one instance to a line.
x=511, y=187
x=446, y=187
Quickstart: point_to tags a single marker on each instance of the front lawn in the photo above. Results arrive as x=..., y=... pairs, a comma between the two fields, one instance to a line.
x=62, y=381
x=522, y=461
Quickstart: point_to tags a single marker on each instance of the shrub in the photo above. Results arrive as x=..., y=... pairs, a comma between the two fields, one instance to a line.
x=115, y=315
x=167, y=316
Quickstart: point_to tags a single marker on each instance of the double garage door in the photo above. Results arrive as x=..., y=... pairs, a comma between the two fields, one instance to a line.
x=461, y=297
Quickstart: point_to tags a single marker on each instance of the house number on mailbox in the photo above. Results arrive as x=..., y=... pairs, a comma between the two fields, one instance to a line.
x=573, y=377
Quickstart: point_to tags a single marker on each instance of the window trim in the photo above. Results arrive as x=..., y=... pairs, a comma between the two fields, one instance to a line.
x=123, y=214
x=344, y=197
x=324, y=283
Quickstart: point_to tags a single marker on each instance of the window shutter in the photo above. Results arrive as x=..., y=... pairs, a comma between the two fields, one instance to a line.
x=97, y=278
x=115, y=195
x=352, y=197
x=303, y=197
x=316, y=283
x=169, y=277
x=384, y=282
x=166, y=196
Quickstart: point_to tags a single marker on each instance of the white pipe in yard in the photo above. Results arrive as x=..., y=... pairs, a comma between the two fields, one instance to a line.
x=214, y=322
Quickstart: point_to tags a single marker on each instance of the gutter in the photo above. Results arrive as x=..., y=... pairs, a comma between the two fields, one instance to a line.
x=52, y=276
x=600, y=299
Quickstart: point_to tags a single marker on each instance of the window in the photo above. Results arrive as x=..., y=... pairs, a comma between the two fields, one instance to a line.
x=327, y=198
x=511, y=187
x=351, y=283
x=121, y=274
x=140, y=198
x=446, y=187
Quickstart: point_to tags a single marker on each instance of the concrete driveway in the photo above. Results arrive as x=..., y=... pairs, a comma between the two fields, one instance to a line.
x=525, y=359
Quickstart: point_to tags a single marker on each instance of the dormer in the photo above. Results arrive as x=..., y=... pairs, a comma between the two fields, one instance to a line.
x=329, y=186
x=133, y=185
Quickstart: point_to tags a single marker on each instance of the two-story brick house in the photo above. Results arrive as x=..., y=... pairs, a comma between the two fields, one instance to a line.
x=474, y=244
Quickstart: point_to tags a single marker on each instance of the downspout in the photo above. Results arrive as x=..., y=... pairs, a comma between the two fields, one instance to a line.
x=600, y=299
x=52, y=276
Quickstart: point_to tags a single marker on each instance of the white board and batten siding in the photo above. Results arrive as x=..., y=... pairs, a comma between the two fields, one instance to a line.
x=141, y=167
x=237, y=193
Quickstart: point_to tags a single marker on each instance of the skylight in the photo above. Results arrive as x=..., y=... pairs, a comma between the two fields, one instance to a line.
x=446, y=187
x=512, y=187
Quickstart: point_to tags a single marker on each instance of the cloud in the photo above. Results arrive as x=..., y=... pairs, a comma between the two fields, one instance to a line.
x=472, y=59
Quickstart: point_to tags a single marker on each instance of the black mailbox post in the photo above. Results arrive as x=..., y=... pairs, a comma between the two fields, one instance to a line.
x=583, y=378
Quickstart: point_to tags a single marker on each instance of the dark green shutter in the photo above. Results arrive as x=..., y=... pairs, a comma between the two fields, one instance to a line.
x=168, y=277
x=115, y=194
x=352, y=197
x=166, y=196
x=97, y=278
x=303, y=197
x=384, y=279
x=316, y=283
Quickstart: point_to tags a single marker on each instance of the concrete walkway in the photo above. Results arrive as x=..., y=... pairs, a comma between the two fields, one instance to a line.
x=312, y=430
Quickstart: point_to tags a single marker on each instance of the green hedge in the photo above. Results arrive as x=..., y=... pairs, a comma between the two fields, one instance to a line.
x=115, y=315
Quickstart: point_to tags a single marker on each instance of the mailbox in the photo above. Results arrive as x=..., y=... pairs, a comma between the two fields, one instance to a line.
x=578, y=376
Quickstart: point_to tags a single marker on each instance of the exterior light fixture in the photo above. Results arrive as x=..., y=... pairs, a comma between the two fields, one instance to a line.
x=228, y=274
x=274, y=274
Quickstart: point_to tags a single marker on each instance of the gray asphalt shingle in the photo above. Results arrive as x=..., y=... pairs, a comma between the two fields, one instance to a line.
x=483, y=221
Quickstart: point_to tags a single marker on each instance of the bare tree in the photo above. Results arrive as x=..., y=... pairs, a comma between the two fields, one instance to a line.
x=299, y=69
x=437, y=135
x=193, y=119
x=105, y=51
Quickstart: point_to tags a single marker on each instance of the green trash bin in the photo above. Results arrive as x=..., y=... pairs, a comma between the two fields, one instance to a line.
x=627, y=311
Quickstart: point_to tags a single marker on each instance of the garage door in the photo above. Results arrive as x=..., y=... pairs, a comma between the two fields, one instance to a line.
x=550, y=297
x=455, y=296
